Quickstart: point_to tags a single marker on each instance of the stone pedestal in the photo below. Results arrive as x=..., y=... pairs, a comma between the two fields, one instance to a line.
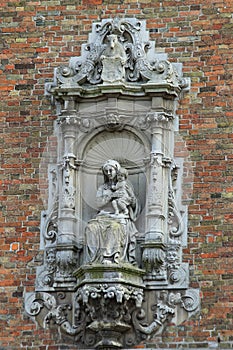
x=112, y=273
x=109, y=294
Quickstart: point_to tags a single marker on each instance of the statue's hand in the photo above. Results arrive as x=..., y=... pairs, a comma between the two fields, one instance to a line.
x=104, y=198
x=107, y=198
x=117, y=194
x=133, y=200
x=120, y=194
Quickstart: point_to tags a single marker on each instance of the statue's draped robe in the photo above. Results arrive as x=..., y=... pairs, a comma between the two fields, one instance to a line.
x=109, y=238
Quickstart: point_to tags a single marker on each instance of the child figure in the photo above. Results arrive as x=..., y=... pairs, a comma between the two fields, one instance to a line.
x=121, y=195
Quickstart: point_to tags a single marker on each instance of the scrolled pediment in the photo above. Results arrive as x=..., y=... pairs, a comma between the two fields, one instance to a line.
x=118, y=53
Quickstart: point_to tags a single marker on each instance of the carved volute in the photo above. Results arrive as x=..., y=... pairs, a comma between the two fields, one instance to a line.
x=113, y=234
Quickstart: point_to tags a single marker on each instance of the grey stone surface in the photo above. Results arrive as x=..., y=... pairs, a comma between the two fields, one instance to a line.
x=112, y=274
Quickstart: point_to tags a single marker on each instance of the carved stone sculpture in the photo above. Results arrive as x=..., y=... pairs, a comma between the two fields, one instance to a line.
x=113, y=59
x=110, y=237
x=112, y=273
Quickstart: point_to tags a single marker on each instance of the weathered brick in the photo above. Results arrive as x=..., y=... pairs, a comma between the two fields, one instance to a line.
x=197, y=34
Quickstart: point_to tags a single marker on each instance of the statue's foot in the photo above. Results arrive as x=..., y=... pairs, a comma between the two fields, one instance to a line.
x=118, y=216
x=107, y=262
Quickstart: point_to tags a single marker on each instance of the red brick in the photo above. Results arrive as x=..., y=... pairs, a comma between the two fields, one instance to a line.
x=205, y=114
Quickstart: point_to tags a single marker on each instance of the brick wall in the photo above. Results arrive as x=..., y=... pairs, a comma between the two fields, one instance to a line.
x=37, y=36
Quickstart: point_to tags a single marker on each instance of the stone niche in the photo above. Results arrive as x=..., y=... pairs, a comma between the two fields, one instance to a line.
x=113, y=233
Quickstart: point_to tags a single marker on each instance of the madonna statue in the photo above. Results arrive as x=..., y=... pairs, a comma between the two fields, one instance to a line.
x=110, y=237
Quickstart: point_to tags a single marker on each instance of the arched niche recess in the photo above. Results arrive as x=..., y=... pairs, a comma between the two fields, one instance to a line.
x=130, y=150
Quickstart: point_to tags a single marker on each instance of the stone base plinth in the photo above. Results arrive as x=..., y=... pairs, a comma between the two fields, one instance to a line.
x=114, y=273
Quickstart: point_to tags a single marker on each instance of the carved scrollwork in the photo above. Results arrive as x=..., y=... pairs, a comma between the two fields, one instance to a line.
x=108, y=313
x=150, y=329
x=64, y=75
x=59, y=316
x=57, y=313
x=138, y=66
x=117, y=53
x=178, y=276
x=90, y=70
x=36, y=301
x=46, y=279
x=119, y=292
x=118, y=26
x=190, y=301
x=159, y=117
x=67, y=120
x=33, y=306
x=146, y=122
x=166, y=72
x=175, y=220
x=51, y=234
x=162, y=311
x=50, y=226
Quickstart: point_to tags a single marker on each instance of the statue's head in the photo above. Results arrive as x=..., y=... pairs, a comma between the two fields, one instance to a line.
x=122, y=174
x=110, y=169
x=112, y=38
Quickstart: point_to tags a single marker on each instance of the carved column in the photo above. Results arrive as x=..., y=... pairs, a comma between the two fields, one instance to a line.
x=155, y=203
x=68, y=188
x=66, y=242
x=154, y=249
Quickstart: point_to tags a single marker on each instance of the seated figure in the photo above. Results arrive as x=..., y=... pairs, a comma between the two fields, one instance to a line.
x=110, y=236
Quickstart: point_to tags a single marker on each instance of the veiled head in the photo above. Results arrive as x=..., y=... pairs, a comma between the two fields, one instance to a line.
x=110, y=169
